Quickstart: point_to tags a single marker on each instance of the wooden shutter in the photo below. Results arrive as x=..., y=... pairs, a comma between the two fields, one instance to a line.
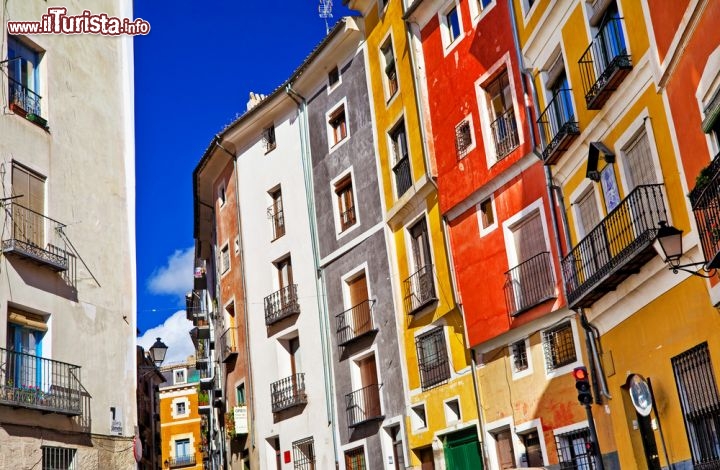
x=358, y=290
x=639, y=162
x=529, y=237
x=587, y=212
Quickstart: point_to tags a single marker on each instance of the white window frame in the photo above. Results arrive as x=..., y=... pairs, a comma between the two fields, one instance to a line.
x=708, y=85
x=415, y=421
x=579, y=193
x=175, y=373
x=568, y=368
x=386, y=84
x=339, y=232
x=490, y=228
x=225, y=269
x=448, y=43
x=333, y=87
x=477, y=12
x=569, y=428
x=641, y=122
x=391, y=154
x=530, y=426
x=332, y=145
x=352, y=446
x=519, y=374
x=408, y=245
x=446, y=408
x=490, y=430
x=355, y=377
x=448, y=349
x=351, y=275
x=483, y=104
x=266, y=147
x=174, y=411
x=222, y=195
x=527, y=10
x=473, y=141
x=386, y=441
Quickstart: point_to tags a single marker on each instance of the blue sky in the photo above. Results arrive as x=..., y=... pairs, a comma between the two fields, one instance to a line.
x=193, y=75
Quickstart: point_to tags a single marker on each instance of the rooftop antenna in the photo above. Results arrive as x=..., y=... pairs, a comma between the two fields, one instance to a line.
x=325, y=12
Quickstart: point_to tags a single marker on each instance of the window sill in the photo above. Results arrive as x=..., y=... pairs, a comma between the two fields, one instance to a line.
x=33, y=118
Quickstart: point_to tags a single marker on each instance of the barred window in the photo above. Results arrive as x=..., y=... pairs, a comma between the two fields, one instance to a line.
x=519, y=355
x=58, y=458
x=304, y=454
x=572, y=450
x=559, y=346
x=268, y=138
x=463, y=138
x=700, y=403
x=432, y=358
x=355, y=459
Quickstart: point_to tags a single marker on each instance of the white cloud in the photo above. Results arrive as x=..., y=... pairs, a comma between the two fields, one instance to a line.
x=176, y=277
x=174, y=333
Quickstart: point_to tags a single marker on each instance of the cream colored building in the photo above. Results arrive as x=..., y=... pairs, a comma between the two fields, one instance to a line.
x=67, y=296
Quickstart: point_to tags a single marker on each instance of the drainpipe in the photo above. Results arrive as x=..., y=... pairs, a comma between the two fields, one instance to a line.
x=305, y=152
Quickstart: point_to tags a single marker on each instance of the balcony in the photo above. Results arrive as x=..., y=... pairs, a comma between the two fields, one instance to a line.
x=25, y=102
x=206, y=378
x=529, y=284
x=288, y=392
x=199, y=279
x=275, y=214
x=419, y=289
x=29, y=381
x=202, y=354
x=228, y=345
x=505, y=133
x=363, y=405
x=403, y=178
x=617, y=248
x=201, y=330
x=705, y=202
x=355, y=322
x=184, y=461
x=281, y=304
x=27, y=238
x=558, y=126
x=605, y=64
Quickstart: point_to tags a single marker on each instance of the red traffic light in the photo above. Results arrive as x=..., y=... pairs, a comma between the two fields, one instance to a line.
x=580, y=373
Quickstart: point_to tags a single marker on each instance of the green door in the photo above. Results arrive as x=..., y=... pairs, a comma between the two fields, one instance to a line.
x=462, y=450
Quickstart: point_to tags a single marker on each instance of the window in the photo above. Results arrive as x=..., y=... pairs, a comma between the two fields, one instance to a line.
x=519, y=356
x=504, y=448
x=183, y=451
x=397, y=447
x=533, y=456
x=463, y=138
x=388, y=61
x=700, y=403
x=559, y=345
x=224, y=259
x=502, y=115
x=364, y=402
x=28, y=188
x=572, y=451
x=304, y=454
x=418, y=418
x=24, y=77
x=419, y=286
x=355, y=459
x=487, y=215
x=275, y=213
x=333, y=78
x=639, y=165
x=337, y=123
x=180, y=408
x=179, y=376
x=268, y=138
x=221, y=195
x=401, y=162
x=345, y=202
x=452, y=411
x=587, y=212
x=58, y=458
x=451, y=22
x=240, y=394
x=432, y=358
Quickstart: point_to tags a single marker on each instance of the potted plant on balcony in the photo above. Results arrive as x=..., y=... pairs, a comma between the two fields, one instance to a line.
x=203, y=398
x=230, y=424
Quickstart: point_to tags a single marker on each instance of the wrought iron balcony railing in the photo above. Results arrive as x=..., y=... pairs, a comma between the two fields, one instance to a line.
x=705, y=202
x=618, y=247
x=419, y=289
x=355, y=322
x=277, y=217
x=529, y=283
x=363, y=405
x=21, y=96
x=288, y=392
x=183, y=461
x=558, y=125
x=403, y=178
x=505, y=133
x=34, y=237
x=228, y=344
x=605, y=64
x=43, y=384
x=281, y=304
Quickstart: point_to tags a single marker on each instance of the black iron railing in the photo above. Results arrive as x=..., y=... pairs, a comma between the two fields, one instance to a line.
x=558, y=125
x=355, y=322
x=276, y=215
x=363, y=405
x=202, y=350
x=705, y=202
x=34, y=236
x=572, y=450
x=617, y=240
x=604, y=63
x=288, y=392
x=23, y=97
x=505, y=133
x=36, y=382
x=184, y=461
x=403, y=178
x=228, y=344
x=281, y=304
x=432, y=358
x=529, y=283
x=419, y=289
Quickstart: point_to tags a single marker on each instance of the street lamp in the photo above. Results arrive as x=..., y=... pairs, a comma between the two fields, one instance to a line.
x=668, y=244
x=157, y=352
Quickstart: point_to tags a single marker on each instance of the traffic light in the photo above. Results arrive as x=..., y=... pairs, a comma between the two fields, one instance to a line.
x=590, y=448
x=582, y=383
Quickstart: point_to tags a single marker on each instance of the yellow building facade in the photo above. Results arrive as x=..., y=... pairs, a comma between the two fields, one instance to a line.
x=180, y=420
x=609, y=141
x=441, y=402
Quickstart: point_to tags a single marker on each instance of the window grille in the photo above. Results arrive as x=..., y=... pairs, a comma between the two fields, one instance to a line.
x=432, y=358
x=58, y=458
x=572, y=450
x=463, y=138
x=700, y=403
x=304, y=454
x=355, y=459
x=519, y=355
x=559, y=346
